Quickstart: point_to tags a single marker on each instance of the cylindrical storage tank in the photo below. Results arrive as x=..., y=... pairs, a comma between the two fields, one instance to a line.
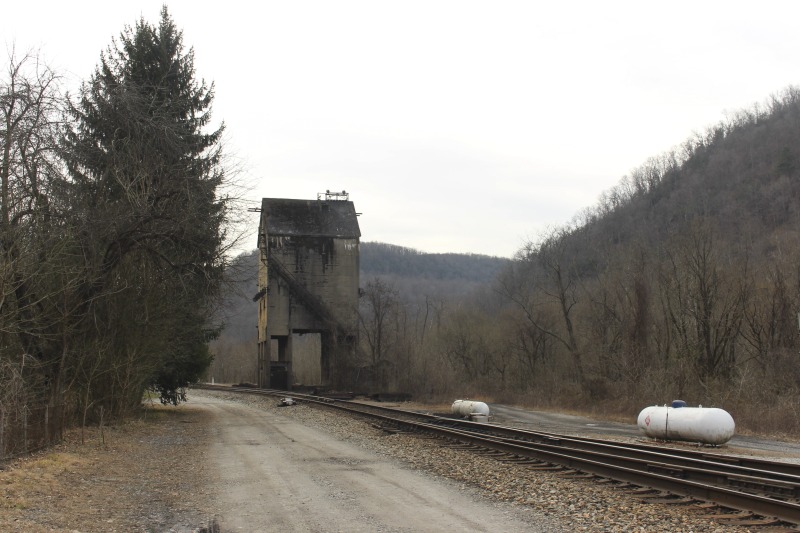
x=477, y=411
x=708, y=425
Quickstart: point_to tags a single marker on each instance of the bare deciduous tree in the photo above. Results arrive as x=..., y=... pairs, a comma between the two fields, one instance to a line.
x=705, y=302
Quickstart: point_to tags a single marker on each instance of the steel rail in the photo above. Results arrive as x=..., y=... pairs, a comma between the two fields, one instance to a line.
x=778, y=467
x=689, y=457
x=732, y=465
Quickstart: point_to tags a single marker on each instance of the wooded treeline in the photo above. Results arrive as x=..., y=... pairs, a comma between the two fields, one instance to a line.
x=112, y=230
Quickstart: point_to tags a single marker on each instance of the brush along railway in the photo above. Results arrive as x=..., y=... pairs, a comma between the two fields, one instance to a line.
x=767, y=491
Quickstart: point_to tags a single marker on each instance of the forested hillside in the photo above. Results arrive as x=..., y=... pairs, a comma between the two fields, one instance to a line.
x=681, y=282
x=740, y=178
x=417, y=276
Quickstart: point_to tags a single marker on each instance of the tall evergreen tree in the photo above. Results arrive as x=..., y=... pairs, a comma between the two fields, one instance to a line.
x=147, y=174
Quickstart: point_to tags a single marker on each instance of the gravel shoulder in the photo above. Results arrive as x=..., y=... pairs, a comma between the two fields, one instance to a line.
x=249, y=465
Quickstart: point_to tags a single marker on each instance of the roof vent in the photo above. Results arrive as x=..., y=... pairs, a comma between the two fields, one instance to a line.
x=334, y=196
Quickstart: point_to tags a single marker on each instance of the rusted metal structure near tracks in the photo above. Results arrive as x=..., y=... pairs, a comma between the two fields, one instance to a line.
x=308, y=282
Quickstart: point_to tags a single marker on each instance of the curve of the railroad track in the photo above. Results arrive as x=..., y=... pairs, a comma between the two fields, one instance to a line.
x=767, y=493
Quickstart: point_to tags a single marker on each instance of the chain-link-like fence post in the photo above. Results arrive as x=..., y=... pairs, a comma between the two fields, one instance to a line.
x=2, y=433
x=25, y=428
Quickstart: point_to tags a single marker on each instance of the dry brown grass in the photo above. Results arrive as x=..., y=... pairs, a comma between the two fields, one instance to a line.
x=140, y=475
x=32, y=479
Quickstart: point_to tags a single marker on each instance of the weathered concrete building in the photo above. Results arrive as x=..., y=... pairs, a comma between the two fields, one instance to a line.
x=308, y=282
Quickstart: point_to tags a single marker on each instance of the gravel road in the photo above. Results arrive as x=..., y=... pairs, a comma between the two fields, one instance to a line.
x=277, y=474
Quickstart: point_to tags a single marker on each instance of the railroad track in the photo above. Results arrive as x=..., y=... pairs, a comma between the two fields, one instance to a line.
x=745, y=491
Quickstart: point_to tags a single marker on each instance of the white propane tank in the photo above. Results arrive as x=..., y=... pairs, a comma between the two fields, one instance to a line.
x=475, y=411
x=707, y=425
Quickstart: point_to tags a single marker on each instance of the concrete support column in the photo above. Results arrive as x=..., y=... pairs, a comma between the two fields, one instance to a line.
x=285, y=348
x=326, y=355
x=263, y=364
x=285, y=356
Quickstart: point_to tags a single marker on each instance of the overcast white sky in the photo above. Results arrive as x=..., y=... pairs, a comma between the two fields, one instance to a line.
x=456, y=126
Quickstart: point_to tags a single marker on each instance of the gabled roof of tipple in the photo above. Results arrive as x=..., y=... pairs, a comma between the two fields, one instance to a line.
x=309, y=218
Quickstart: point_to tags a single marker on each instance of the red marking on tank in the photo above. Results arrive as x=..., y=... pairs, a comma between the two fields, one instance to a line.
x=647, y=421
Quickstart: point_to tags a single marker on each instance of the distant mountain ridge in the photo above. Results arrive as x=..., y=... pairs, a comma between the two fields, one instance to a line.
x=381, y=259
